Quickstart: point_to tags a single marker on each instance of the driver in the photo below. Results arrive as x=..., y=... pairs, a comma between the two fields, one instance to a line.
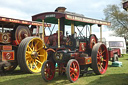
x=75, y=35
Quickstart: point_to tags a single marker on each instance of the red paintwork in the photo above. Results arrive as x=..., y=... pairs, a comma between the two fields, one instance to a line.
x=71, y=47
x=8, y=55
x=69, y=17
x=7, y=47
x=16, y=42
x=82, y=47
x=88, y=60
x=84, y=60
x=49, y=71
x=50, y=49
x=81, y=60
x=74, y=75
x=5, y=37
x=102, y=59
x=53, y=39
x=5, y=19
x=61, y=68
x=75, y=55
x=93, y=40
x=114, y=51
x=46, y=39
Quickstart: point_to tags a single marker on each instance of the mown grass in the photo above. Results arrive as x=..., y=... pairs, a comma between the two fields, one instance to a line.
x=113, y=76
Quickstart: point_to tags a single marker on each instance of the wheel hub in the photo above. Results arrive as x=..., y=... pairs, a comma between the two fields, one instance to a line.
x=34, y=55
x=102, y=59
x=75, y=70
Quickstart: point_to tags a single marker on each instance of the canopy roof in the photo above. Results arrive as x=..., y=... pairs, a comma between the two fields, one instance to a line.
x=52, y=17
x=9, y=22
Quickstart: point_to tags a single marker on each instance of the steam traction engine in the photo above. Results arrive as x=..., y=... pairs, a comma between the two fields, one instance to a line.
x=18, y=47
x=71, y=54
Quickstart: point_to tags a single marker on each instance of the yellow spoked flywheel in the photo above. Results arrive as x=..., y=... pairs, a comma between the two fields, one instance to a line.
x=31, y=54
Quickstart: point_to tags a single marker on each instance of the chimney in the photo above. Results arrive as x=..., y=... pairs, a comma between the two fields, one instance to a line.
x=60, y=9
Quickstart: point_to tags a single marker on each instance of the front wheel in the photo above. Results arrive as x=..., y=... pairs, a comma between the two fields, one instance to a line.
x=48, y=70
x=99, y=58
x=73, y=70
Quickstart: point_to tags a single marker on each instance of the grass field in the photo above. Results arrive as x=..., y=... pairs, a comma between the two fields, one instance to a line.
x=113, y=76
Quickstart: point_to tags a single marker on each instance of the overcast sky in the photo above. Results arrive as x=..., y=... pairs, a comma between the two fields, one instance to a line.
x=24, y=9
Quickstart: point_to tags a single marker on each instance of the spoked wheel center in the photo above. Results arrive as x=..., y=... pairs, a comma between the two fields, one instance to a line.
x=34, y=54
x=75, y=70
x=48, y=70
x=24, y=35
x=101, y=59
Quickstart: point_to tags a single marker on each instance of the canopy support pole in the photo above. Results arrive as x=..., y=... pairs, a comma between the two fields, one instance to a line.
x=100, y=32
x=43, y=32
x=90, y=29
x=72, y=28
x=58, y=33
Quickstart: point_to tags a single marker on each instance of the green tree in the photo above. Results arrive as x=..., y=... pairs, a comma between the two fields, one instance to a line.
x=118, y=18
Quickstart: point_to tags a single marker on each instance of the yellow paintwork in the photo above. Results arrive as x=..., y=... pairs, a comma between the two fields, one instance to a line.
x=35, y=63
x=43, y=32
x=58, y=33
x=72, y=28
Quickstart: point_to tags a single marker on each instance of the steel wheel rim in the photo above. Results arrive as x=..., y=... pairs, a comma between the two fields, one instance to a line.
x=102, y=59
x=49, y=70
x=74, y=71
x=21, y=32
x=35, y=55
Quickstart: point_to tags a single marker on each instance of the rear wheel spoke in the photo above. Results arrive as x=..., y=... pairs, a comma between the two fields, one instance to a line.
x=37, y=43
x=36, y=66
x=30, y=48
x=41, y=55
x=28, y=52
x=103, y=52
x=39, y=48
x=39, y=61
x=27, y=57
x=31, y=65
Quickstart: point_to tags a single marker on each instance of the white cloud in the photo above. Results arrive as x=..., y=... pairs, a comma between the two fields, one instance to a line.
x=7, y=12
x=24, y=9
x=104, y=34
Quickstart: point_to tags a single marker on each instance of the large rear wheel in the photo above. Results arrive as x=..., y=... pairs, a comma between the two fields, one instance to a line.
x=99, y=58
x=31, y=55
